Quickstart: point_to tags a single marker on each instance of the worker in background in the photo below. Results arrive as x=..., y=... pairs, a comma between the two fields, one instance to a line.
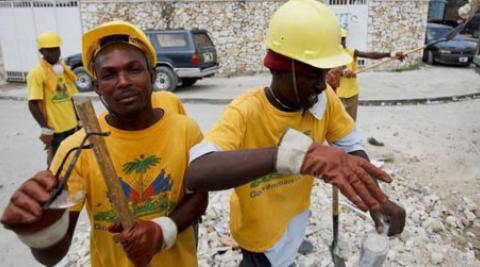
x=347, y=88
x=149, y=149
x=50, y=90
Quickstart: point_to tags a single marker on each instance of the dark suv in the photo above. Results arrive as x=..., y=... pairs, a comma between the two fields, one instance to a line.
x=183, y=57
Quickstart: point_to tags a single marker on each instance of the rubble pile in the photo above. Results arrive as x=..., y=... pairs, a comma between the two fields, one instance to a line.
x=435, y=235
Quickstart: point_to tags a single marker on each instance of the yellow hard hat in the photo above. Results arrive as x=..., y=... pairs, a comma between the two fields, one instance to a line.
x=48, y=40
x=136, y=37
x=307, y=31
x=344, y=33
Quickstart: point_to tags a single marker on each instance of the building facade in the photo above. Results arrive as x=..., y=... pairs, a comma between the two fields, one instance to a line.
x=237, y=27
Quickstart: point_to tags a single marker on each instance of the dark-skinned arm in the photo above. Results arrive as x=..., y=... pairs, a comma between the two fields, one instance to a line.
x=394, y=213
x=54, y=254
x=371, y=55
x=189, y=210
x=228, y=169
x=35, y=109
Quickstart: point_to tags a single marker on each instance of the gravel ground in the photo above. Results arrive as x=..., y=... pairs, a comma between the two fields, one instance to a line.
x=432, y=151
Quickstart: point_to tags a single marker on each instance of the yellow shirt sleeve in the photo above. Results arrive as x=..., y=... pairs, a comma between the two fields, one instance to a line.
x=194, y=134
x=228, y=133
x=35, y=85
x=339, y=123
x=168, y=101
x=180, y=107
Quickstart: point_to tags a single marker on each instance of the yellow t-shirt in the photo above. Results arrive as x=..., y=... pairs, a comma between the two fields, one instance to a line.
x=151, y=164
x=261, y=210
x=349, y=86
x=167, y=101
x=56, y=92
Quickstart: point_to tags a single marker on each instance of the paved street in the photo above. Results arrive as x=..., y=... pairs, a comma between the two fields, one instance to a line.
x=436, y=145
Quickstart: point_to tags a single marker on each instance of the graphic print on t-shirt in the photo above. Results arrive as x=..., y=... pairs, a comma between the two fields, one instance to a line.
x=145, y=195
x=61, y=92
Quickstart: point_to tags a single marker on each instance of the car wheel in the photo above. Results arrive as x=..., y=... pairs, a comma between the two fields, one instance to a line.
x=189, y=81
x=166, y=79
x=430, y=60
x=83, y=81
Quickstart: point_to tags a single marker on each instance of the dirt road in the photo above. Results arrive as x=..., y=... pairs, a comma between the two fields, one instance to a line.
x=433, y=146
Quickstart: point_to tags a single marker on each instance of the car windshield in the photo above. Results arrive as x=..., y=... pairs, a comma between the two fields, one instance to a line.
x=172, y=39
x=435, y=34
x=202, y=40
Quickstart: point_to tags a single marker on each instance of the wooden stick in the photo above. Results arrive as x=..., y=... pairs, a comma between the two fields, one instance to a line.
x=115, y=193
x=372, y=66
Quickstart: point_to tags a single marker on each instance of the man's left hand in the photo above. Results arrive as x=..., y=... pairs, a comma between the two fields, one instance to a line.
x=400, y=56
x=392, y=213
x=140, y=242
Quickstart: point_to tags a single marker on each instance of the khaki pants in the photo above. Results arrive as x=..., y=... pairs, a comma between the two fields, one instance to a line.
x=351, y=105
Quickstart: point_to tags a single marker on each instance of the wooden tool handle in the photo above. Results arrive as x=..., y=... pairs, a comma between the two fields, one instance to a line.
x=334, y=200
x=115, y=193
x=372, y=66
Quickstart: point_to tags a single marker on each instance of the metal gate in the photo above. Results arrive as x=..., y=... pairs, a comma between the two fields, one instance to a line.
x=353, y=16
x=22, y=21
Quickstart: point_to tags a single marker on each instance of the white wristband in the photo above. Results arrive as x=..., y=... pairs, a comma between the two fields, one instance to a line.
x=291, y=151
x=169, y=230
x=47, y=131
x=393, y=54
x=48, y=236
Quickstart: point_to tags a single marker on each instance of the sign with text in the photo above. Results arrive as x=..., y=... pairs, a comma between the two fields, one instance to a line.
x=354, y=19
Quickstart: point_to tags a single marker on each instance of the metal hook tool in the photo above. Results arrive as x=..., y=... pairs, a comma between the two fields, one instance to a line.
x=57, y=191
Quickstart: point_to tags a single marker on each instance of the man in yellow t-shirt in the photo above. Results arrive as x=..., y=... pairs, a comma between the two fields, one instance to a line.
x=50, y=90
x=149, y=147
x=348, y=88
x=273, y=183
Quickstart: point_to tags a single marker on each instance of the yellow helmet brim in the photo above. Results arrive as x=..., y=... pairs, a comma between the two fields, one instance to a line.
x=136, y=37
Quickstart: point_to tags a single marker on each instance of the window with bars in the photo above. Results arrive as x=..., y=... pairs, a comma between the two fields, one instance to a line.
x=38, y=3
x=347, y=2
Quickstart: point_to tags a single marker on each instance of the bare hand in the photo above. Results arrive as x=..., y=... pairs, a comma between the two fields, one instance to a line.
x=333, y=78
x=400, y=56
x=140, y=242
x=47, y=140
x=349, y=74
x=393, y=214
x=354, y=176
x=24, y=213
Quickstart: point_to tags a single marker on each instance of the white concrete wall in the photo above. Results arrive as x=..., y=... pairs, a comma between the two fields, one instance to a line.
x=238, y=27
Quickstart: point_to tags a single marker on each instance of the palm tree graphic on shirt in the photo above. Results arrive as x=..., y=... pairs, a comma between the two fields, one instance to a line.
x=143, y=197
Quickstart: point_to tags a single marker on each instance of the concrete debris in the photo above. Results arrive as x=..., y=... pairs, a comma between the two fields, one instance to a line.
x=437, y=258
x=434, y=235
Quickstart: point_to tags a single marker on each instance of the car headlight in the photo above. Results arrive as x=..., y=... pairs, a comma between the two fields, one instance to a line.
x=443, y=51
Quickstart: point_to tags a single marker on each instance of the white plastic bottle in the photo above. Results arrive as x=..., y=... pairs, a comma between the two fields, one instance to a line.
x=374, y=248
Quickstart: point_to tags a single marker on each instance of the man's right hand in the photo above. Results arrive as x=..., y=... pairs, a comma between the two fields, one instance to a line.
x=47, y=140
x=24, y=213
x=333, y=77
x=349, y=74
x=354, y=176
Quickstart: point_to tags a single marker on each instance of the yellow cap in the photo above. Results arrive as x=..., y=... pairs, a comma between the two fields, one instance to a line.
x=48, y=40
x=136, y=37
x=307, y=31
x=344, y=32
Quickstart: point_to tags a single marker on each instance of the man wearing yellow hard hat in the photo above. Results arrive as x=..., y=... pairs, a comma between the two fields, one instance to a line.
x=50, y=90
x=269, y=143
x=348, y=88
x=149, y=149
